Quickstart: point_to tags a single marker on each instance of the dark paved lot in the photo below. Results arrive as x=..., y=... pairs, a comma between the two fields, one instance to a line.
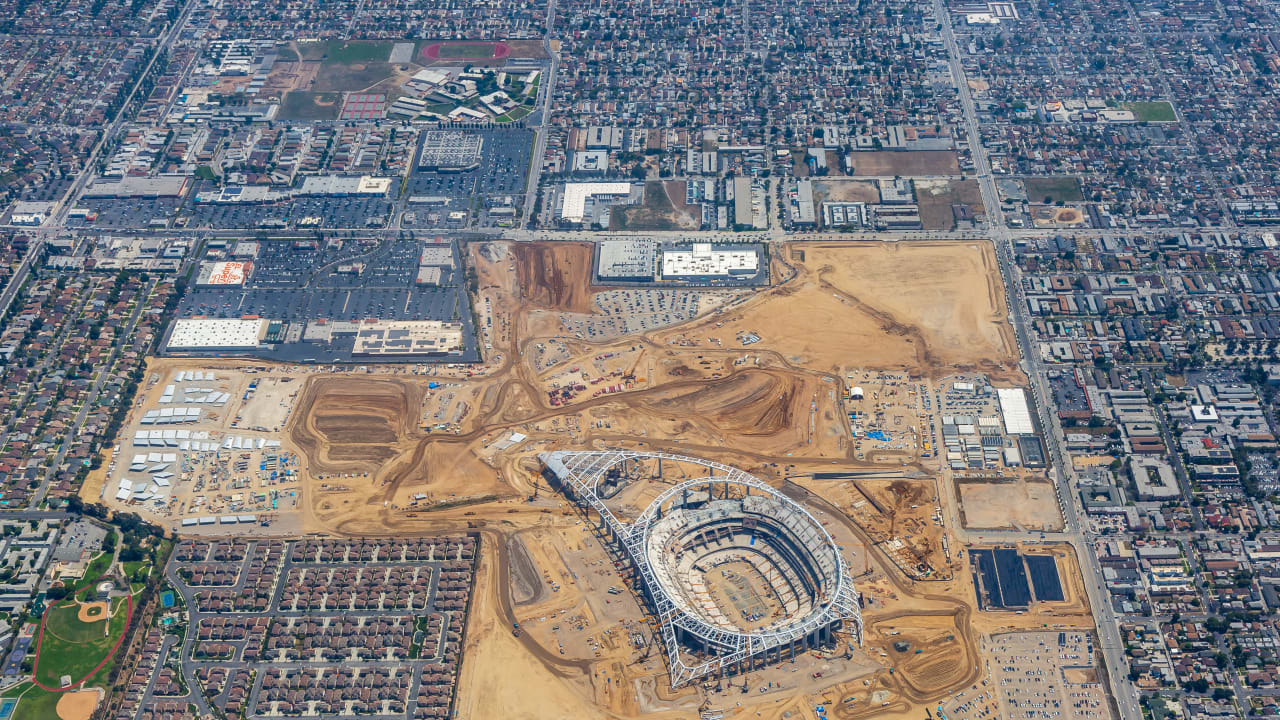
x=299, y=281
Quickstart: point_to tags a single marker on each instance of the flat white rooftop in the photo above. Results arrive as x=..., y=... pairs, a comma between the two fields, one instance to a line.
x=576, y=194
x=192, y=333
x=1014, y=410
x=702, y=260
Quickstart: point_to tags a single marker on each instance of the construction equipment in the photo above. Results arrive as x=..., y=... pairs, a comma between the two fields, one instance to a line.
x=631, y=373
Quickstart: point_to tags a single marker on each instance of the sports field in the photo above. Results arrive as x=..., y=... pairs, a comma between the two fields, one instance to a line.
x=466, y=51
x=303, y=105
x=77, y=644
x=337, y=52
x=1157, y=111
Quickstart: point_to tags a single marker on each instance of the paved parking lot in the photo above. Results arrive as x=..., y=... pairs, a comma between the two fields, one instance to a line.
x=1047, y=675
x=126, y=212
x=330, y=212
x=298, y=282
x=504, y=163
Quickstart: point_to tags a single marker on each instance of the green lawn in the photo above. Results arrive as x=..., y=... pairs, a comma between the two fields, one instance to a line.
x=1157, y=111
x=71, y=647
x=1057, y=189
x=513, y=116
x=131, y=568
x=36, y=703
x=466, y=50
x=338, y=52
x=97, y=566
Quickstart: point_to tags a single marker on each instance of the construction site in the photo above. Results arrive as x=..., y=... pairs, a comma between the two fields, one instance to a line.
x=805, y=552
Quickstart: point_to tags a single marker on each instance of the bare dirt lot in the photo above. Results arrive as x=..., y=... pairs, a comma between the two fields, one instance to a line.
x=663, y=209
x=926, y=308
x=847, y=190
x=889, y=163
x=354, y=425
x=555, y=275
x=1020, y=504
x=935, y=198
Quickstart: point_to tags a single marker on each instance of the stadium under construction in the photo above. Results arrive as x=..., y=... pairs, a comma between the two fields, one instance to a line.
x=737, y=575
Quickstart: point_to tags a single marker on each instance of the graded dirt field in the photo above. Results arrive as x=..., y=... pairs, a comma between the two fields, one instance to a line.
x=947, y=297
x=1019, y=504
x=928, y=308
x=555, y=276
x=847, y=190
x=935, y=198
x=891, y=163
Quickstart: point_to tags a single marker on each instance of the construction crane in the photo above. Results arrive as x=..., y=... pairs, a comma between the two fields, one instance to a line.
x=536, y=488
x=631, y=373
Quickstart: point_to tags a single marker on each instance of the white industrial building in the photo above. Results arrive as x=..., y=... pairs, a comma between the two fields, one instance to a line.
x=341, y=185
x=574, y=206
x=1014, y=411
x=704, y=261
x=216, y=333
x=627, y=259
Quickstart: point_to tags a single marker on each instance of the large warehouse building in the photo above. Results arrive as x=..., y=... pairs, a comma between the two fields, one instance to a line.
x=790, y=590
x=206, y=334
x=704, y=261
x=223, y=274
x=384, y=338
x=627, y=260
x=577, y=196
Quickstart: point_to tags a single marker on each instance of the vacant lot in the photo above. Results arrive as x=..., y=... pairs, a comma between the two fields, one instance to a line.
x=657, y=213
x=1051, y=190
x=929, y=308
x=936, y=197
x=946, y=299
x=555, y=275
x=847, y=190
x=1004, y=505
x=890, y=162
